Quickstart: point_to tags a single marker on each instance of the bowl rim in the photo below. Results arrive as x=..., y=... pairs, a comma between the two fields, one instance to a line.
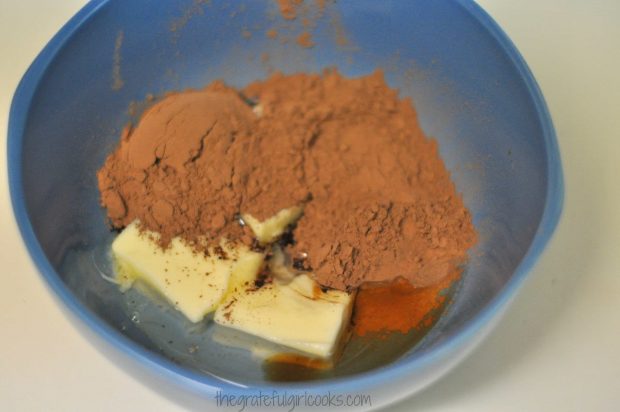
x=206, y=384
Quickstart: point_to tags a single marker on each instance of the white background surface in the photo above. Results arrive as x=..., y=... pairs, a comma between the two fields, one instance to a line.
x=557, y=349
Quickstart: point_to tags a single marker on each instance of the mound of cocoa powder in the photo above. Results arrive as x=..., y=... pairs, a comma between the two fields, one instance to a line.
x=378, y=200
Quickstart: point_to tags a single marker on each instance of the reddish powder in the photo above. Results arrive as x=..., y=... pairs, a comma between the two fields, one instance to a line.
x=397, y=306
x=378, y=201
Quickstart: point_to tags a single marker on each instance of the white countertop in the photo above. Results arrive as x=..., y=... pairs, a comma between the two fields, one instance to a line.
x=558, y=347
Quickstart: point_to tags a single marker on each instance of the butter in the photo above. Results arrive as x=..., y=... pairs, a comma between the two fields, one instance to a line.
x=258, y=348
x=291, y=310
x=297, y=314
x=271, y=229
x=193, y=283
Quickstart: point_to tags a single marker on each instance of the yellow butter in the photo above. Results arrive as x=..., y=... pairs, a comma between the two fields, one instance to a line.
x=297, y=314
x=194, y=283
x=271, y=229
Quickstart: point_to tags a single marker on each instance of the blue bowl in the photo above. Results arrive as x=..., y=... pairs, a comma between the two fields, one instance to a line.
x=473, y=92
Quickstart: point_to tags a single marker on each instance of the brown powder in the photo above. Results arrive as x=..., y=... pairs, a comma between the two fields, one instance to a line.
x=288, y=8
x=320, y=4
x=117, y=79
x=378, y=200
x=189, y=12
x=299, y=19
x=305, y=40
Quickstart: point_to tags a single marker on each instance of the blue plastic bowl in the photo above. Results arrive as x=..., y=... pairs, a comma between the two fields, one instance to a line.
x=473, y=91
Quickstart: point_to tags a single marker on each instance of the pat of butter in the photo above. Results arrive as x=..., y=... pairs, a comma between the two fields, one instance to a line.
x=270, y=229
x=194, y=283
x=298, y=314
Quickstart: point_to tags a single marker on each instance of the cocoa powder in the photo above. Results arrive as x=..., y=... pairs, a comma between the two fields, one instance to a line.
x=378, y=200
x=288, y=8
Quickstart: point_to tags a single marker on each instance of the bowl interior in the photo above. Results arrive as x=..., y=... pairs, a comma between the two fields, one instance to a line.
x=469, y=92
